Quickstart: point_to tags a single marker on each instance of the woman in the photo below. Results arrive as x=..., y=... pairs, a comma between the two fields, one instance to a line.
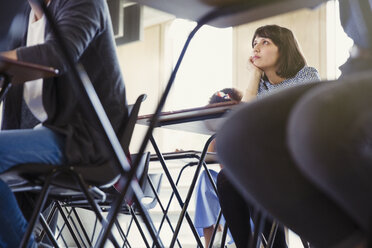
x=303, y=154
x=276, y=63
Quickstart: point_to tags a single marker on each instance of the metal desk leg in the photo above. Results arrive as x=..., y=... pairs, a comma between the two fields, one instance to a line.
x=224, y=234
x=191, y=189
x=165, y=211
x=174, y=188
x=220, y=213
x=255, y=241
x=215, y=229
x=170, y=201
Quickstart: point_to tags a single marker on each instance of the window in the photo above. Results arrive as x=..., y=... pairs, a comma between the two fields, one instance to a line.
x=206, y=67
x=338, y=43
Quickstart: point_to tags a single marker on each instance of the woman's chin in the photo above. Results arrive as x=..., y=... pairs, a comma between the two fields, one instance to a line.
x=258, y=65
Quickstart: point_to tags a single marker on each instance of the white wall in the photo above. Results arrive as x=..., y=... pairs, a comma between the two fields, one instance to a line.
x=146, y=66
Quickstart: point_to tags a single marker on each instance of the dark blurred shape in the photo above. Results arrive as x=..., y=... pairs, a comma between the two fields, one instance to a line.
x=356, y=19
x=8, y=11
x=236, y=12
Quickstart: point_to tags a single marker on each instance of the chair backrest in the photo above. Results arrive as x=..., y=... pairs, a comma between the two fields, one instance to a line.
x=125, y=136
x=143, y=167
x=126, y=130
x=149, y=199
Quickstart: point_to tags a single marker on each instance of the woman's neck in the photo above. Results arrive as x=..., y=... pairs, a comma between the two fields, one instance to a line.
x=273, y=77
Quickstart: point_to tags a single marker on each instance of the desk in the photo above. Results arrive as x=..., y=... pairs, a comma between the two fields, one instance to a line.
x=249, y=10
x=210, y=158
x=204, y=120
x=18, y=72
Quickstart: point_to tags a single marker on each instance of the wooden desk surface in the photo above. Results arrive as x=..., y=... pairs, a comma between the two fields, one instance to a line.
x=249, y=10
x=203, y=120
x=20, y=72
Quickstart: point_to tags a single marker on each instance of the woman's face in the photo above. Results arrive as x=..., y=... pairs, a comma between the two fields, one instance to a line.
x=265, y=53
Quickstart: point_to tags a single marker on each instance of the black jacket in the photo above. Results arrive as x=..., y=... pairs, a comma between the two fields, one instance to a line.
x=87, y=30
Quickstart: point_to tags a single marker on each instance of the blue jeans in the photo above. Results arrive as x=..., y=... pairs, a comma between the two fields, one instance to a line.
x=23, y=146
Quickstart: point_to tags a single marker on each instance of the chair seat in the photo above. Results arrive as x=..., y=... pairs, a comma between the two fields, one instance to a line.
x=73, y=181
x=35, y=174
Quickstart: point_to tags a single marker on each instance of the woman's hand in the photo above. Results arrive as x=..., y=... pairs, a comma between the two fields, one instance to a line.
x=254, y=76
x=252, y=69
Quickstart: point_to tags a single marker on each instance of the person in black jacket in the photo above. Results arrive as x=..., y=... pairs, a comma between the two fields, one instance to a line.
x=44, y=120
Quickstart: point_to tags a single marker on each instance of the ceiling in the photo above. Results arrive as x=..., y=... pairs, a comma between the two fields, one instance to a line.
x=153, y=16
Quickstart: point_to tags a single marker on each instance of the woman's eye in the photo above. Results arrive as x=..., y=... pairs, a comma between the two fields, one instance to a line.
x=265, y=42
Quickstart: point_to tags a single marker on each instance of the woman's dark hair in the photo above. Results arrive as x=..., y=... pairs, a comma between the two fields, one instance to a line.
x=226, y=95
x=290, y=60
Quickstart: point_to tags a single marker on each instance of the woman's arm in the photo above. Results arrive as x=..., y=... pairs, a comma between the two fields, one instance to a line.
x=254, y=76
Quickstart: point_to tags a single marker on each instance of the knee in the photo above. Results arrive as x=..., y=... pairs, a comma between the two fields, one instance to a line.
x=223, y=183
x=5, y=191
x=221, y=178
x=239, y=142
x=3, y=185
x=321, y=137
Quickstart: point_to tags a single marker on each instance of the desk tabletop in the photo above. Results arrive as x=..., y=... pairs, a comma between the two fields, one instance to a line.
x=210, y=157
x=20, y=72
x=249, y=10
x=203, y=120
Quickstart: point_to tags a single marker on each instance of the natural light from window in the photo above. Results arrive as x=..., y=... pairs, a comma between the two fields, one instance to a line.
x=207, y=65
x=338, y=43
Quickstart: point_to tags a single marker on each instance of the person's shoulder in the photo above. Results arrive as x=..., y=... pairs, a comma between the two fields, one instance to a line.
x=71, y=10
x=75, y=3
x=308, y=73
x=308, y=70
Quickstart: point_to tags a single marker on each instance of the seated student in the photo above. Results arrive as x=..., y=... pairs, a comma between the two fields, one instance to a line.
x=207, y=203
x=312, y=171
x=43, y=120
x=276, y=63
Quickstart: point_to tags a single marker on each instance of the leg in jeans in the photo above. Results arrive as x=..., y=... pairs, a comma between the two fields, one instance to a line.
x=16, y=147
x=238, y=213
x=252, y=146
x=13, y=224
